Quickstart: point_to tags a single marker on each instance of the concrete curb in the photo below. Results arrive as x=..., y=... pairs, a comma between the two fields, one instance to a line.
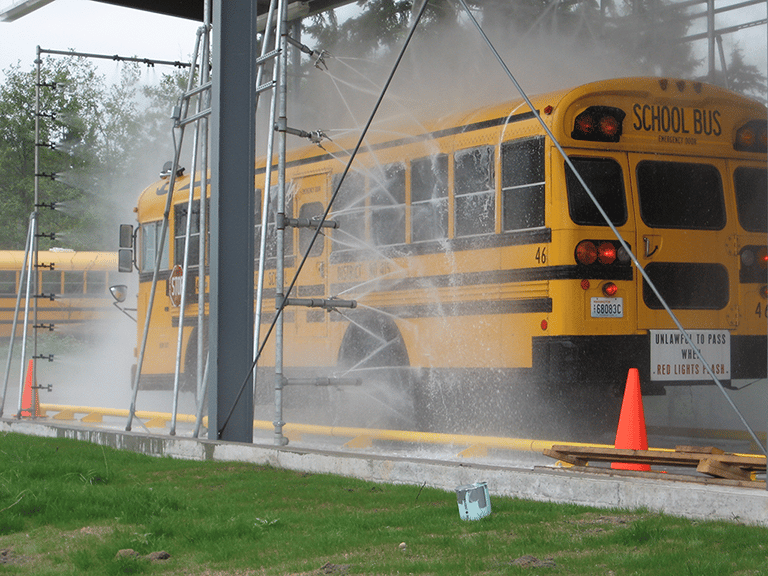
x=686, y=499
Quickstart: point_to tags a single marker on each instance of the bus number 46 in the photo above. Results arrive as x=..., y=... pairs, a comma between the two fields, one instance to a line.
x=541, y=255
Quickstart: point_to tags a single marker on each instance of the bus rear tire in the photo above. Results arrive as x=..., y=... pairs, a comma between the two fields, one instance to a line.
x=374, y=351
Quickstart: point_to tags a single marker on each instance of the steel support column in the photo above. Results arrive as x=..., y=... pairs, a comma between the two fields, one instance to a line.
x=232, y=219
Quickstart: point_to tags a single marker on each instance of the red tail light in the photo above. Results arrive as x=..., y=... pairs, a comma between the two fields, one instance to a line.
x=599, y=124
x=586, y=252
x=610, y=289
x=606, y=253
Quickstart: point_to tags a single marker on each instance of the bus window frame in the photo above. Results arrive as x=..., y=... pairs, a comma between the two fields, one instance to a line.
x=761, y=211
x=710, y=162
x=533, y=188
x=148, y=264
x=468, y=198
x=621, y=161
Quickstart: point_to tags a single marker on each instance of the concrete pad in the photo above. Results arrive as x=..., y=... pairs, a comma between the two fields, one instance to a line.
x=545, y=484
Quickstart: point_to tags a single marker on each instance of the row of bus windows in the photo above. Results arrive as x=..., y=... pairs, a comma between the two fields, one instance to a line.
x=670, y=194
x=67, y=283
x=383, y=208
x=371, y=207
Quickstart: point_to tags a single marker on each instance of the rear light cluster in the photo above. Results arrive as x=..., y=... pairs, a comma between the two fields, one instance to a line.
x=754, y=264
x=752, y=137
x=599, y=124
x=600, y=252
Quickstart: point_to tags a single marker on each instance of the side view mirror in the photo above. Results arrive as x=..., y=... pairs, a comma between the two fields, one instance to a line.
x=119, y=292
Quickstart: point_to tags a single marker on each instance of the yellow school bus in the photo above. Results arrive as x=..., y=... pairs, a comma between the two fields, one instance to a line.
x=482, y=269
x=72, y=289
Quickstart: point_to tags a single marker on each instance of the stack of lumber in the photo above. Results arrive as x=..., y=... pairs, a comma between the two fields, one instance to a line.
x=709, y=461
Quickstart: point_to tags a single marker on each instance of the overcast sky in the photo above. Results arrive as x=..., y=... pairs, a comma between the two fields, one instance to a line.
x=94, y=27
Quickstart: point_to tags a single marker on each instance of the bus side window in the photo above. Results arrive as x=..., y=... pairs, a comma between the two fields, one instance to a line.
x=180, y=232
x=750, y=185
x=429, y=198
x=150, y=236
x=349, y=212
x=604, y=178
x=7, y=282
x=388, y=206
x=74, y=282
x=522, y=184
x=474, y=183
x=310, y=210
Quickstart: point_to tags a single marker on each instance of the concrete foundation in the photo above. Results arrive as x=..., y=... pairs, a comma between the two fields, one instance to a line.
x=541, y=483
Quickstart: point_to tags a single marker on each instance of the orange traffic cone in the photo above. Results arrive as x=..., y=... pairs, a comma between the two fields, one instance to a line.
x=631, y=432
x=26, y=397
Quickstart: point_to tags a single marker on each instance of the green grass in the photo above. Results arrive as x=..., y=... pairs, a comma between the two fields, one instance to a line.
x=68, y=507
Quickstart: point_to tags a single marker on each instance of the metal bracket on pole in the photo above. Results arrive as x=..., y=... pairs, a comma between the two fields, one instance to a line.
x=327, y=304
x=282, y=222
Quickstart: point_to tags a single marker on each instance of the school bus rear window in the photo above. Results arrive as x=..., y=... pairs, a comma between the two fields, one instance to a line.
x=680, y=195
x=604, y=178
x=751, y=186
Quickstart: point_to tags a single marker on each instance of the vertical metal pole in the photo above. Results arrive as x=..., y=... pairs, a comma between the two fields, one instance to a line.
x=202, y=270
x=35, y=260
x=187, y=234
x=723, y=64
x=282, y=88
x=232, y=218
x=711, y=39
x=266, y=39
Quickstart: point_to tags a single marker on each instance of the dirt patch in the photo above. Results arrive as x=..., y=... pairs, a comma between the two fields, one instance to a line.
x=533, y=562
x=8, y=557
x=593, y=523
x=327, y=568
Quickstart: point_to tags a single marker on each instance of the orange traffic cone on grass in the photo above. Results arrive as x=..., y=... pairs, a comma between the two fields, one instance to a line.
x=26, y=395
x=631, y=433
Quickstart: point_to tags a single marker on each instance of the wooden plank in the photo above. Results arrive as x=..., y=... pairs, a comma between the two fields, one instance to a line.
x=722, y=470
x=699, y=449
x=565, y=457
x=629, y=456
x=659, y=457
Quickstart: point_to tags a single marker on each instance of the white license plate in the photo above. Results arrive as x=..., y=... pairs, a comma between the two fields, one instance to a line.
x=607, y=307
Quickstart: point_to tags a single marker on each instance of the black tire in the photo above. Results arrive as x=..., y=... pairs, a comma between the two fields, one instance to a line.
x=373, y=351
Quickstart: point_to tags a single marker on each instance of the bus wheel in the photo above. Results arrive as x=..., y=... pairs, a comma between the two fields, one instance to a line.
x=373, y=351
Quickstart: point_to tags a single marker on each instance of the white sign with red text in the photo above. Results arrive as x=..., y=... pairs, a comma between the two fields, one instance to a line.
x=672, y=358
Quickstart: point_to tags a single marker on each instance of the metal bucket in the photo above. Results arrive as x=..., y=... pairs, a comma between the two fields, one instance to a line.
x=474, y=501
